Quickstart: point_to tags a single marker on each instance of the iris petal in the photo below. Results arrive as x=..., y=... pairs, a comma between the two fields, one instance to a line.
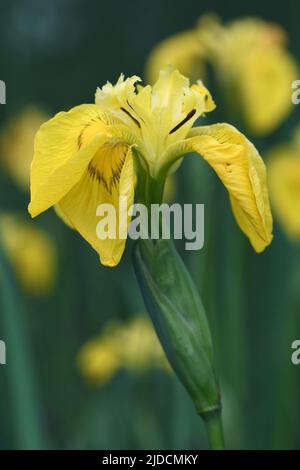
x=63, y=148
x=109, y=176
x=242, y=171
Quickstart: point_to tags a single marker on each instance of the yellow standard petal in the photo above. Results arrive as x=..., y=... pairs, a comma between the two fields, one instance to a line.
x=63, y=147
x=156, y=117
x=242, y=171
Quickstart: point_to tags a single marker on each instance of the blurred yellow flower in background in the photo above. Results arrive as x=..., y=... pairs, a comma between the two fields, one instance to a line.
x=131, y=346
x=31, y=253
x=250, y=60
x=16, y=144
x=284, y=183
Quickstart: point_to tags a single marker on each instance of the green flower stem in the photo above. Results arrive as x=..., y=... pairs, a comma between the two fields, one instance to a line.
x=25, y=405
x=178, y=315
x=234, y=323
x=150, y=190
x=214, y=428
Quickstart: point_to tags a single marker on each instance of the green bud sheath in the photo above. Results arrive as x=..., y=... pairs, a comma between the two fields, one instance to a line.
x=178, y=315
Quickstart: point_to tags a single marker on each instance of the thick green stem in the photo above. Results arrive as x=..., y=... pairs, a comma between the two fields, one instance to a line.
x=180, y=321
x=150, y=190
x=155, y=189
x=214, y=428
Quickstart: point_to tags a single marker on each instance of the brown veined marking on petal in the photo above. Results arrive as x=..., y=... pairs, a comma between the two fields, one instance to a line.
x=186, y=119
x=135, y=112
x=79, y=140
x=114, y=178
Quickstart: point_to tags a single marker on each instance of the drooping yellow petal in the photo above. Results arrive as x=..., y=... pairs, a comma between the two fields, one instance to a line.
x=182, y=51
x=174, y=107
x=284, y=183
x=242, y=171
x=168, y=90
x=62, y=150
x=108, y=177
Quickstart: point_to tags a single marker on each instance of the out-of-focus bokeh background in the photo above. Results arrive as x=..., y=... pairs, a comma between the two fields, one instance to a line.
x=84, y=369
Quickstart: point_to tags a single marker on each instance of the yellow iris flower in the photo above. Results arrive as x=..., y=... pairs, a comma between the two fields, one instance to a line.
x=284, y=183
x=95, y=153
x=250, y=59
x=132, y=346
